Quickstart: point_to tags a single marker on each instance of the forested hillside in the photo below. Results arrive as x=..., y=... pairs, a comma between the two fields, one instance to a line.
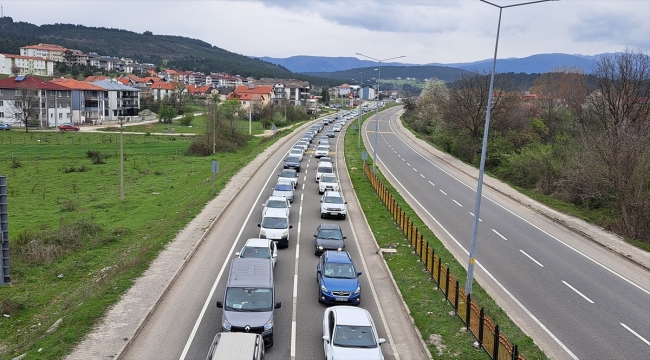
x=163, y=50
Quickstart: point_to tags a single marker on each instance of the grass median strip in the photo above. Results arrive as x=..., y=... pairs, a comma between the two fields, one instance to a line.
x=441, y=329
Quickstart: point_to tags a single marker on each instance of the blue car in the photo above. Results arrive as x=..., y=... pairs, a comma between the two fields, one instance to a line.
x=338, y=279
x=5, y=126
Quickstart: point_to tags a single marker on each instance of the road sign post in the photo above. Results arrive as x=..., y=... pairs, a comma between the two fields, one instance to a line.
x=215, y=170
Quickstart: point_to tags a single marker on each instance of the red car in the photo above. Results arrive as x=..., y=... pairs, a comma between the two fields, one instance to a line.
x=68, y=127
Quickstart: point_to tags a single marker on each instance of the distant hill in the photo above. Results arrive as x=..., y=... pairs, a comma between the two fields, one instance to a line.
x=163, y=50
x=420, y=72
x=314, y=64
x=530, y=65
x=541, y=63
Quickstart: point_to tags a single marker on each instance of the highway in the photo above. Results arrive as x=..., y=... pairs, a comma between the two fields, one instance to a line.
x=574, y=298
x=186, y=319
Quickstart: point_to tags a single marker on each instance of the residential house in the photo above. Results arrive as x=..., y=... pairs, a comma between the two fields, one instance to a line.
x=172, y=76
x=223, y=79
x=51, y=101
x=120, y=102
x=252, y=95
x=160, y=89
x=222, y=92
x=75, y=57
x=25, y=65
x=200, y=92
x=86, y=100
x=52, y=52
x=296, y=92
x=366, y=93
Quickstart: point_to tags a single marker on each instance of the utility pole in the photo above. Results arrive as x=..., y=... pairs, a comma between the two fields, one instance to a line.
x=122, y=159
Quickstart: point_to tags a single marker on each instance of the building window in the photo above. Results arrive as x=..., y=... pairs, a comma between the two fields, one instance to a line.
x=60, y=115
x=18, y=104
x=69, y=115
x=2, y=103
x=2, y=115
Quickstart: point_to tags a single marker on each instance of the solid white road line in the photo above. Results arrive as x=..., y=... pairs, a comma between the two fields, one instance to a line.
x=530, y=257
x=635, y=334
x=576, y=290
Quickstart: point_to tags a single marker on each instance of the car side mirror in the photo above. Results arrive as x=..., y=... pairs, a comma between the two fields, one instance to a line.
x=318, y=271
x=219, y=304
x=321, y=201
x=290, y=226
x=326, y=338
x=315, y=235
x=345, y=202
x=259, y=225
x=275, y=255
x=345, y=237
x=381, y=341
x=237, y=253
x=359, y=273
x=279, y=305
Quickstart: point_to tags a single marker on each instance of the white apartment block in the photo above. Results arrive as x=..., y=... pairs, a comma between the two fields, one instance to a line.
x=25, y=65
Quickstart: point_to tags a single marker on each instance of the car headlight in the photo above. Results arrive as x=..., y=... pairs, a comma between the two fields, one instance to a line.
x=269, y=325
x=225, y=324
x=285, y=233
x=323, y=288
x=358, y=290
x=320, y=247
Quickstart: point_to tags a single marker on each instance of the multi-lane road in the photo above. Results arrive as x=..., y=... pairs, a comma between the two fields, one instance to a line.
x=186, y=319
x=576, y=299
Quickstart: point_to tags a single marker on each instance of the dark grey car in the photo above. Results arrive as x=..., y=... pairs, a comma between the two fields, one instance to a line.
x=329, y=237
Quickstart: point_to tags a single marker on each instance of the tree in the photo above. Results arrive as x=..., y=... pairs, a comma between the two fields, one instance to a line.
x=166, y=114
x=613, y=165
x=25, y=107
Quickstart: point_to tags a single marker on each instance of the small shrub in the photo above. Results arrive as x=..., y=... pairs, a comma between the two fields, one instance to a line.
x=69, y=169
x=82, y=168
x=67, y=205
x=159, y=172
x=15, y=163
x=200, y=148
x=187, y=119
x=92, y=154
x=147, y=133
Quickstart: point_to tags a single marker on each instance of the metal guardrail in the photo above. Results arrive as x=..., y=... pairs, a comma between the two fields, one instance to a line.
x=495, y=343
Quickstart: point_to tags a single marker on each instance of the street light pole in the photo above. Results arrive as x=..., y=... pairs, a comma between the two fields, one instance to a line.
x=479, y=187
x=374, y=156
x=121, y=160
x=359, y=108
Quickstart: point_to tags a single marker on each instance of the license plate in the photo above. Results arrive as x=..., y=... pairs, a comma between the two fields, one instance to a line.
x=341, y=299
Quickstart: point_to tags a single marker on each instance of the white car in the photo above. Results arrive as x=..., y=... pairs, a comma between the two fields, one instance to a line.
x=337, y=127
x=322, y=150
x=333, y=204
x=328, y=182
x=284, y=188
x=289, y=174
x=350, y=333
x=261, y=249
x=325, y=168
x=302, y=144
x=276, y=202
x=296, y=152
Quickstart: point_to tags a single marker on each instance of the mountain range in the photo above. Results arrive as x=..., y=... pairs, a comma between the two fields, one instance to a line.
x=534, y=64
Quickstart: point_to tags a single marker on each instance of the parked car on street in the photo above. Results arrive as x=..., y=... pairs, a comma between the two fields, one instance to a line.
x=5, y=127
x=68, y=127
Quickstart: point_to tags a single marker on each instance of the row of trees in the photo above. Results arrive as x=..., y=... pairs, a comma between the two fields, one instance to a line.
x=582, y=142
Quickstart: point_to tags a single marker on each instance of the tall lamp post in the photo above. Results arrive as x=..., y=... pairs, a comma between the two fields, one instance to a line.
x=479, y=187
x=359, y=108
x=374, y=156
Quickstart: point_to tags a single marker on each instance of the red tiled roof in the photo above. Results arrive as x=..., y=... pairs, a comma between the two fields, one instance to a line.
x=46, y=47
x=29, y=82
x=13, y=56
x=161, y=85
x=73, y=84
x=96, y=78
x=264, y=90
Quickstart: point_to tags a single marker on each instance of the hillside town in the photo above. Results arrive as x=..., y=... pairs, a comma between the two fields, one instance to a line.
x=27, y=99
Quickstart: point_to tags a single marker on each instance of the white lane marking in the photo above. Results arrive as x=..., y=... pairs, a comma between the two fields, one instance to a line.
x=395, y=151
x=294, y=311
x=444, y=193
x=408, y=164
x=530, y=257
x=423, y=176
x=503, y=288
x=577, y=292
x=306, y=171
x=457, y=203
x=471, y=213
x=432, y=183
x=635, y=334
x=496, y=232
x=399, y=155
x=403, y=159
x=414, y=169
x=303, y=186
x=226, y=263
x=524, y=220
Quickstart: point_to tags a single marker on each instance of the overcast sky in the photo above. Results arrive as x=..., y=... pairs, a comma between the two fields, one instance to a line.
x=424, y=31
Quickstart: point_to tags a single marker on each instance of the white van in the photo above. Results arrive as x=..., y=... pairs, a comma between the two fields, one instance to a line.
x=275, y=226
x=228, y=346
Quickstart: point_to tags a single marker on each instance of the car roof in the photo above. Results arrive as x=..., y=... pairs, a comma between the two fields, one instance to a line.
x=276, y=213
x=288, y=170
x=284, y=181
x=256, y=242
x=336, y=256
x=328, y=175
x=278, y=198
x=333, y=193
x=349, y=315
x=330, y=226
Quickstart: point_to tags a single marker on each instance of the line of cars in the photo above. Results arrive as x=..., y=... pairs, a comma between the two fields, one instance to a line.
x=249, y=300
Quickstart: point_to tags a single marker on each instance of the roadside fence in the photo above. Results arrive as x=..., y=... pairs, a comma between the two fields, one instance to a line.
x=495, y=343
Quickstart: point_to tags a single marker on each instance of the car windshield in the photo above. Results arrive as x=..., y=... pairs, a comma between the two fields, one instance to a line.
x=332, y=234
x=278, y=204
x=296, y=151
x=256, y=252
x=249, y=299
x=274, y=223
x=328, y=179
x=342, y=271
x=288, y=174
x=325, y=169
x=333, y=200
x=283, y=187
x=354, y=336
